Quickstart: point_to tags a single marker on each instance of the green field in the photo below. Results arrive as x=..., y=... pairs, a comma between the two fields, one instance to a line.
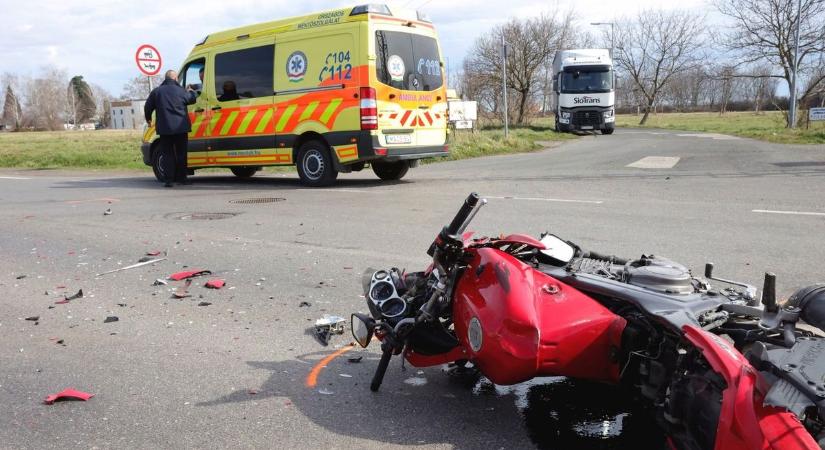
x=116, y=149
x=102, y=149
x=768, y=126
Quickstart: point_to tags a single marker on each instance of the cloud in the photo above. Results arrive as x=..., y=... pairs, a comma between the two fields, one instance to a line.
x=98, y=38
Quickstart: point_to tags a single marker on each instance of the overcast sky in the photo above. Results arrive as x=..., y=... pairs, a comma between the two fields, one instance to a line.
x=98, y=38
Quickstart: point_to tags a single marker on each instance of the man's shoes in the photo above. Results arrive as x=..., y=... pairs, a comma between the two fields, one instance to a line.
x=167, y=184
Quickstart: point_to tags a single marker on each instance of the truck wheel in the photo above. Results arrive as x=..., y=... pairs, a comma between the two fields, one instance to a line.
x=607, y=131
x=244, y=172
x=315, y=166
x=390, y=170
x=157, y=163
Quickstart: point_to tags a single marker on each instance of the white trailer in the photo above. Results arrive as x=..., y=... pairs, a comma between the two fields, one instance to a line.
x=583, y=85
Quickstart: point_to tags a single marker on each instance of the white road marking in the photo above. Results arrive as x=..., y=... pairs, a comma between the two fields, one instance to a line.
x=717, y=136
x=655, y=162
x=540, y=199
x=795, y=213
x=14, y=178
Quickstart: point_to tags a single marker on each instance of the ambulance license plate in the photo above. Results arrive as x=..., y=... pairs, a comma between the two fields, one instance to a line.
x=586, y=127
x=398, y=139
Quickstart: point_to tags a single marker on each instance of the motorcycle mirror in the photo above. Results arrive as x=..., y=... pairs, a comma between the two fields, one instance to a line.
x=362, y=328
x=559, y=251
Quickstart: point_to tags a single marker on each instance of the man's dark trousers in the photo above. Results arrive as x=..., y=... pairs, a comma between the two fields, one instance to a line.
x=174, y=148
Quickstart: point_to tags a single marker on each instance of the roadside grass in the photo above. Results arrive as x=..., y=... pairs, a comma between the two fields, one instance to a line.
x=102, y=149
x=766, y=126
x=120, y=149
x=489, y=141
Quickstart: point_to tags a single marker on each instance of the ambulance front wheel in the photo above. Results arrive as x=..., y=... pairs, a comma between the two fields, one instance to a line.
x=315, y=166
x=157, y=163
x=390, y=170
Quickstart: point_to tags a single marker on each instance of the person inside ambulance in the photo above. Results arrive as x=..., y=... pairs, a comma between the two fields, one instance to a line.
x=197, y=87
x=230, y=92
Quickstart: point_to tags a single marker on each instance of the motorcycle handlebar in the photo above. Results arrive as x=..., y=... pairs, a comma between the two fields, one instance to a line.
x=463, y=213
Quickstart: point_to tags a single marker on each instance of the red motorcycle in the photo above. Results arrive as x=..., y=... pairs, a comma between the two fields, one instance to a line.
x=719, y=369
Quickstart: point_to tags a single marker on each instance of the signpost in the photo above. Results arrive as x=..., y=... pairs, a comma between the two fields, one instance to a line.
x=815, y=114
x=148, y=61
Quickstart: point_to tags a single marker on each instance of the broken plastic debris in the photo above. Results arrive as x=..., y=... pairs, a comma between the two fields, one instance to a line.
x=215, y=284
x=304, y=303
x=108, y=212
x=204, y=304
x=153, y=253
x=111, y=319
x=140, y=264
x=68, y=394
x=160, y=282
x=65, y=300
x=326, y=326
x=20, y=277
x=33, y=318
x=188, y=274
x=355, y=360
x=183, y=291
x=325, y=392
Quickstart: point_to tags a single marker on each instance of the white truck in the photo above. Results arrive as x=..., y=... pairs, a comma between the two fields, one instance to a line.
x=583, y=90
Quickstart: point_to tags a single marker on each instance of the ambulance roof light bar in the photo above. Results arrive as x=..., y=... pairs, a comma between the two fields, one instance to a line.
x=371, y=8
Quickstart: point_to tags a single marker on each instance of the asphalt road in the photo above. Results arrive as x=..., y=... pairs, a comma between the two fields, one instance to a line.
x=233, y=374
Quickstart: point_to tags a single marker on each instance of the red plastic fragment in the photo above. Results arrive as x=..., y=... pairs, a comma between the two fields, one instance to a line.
x=188, y=274
x=153, y=253
x=69, y=393
x=62, y=302
x=215, y=284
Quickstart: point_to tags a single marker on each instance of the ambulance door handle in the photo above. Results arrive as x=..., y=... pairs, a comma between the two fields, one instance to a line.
x=423, y=107
x=216, y=108
x=199, y=110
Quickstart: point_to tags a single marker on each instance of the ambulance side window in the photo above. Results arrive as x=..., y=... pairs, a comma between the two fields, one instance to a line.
x=193, y=75
x=244, y=73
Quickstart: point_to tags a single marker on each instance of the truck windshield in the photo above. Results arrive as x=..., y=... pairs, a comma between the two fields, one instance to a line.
x=407, y=61
x=580, y=81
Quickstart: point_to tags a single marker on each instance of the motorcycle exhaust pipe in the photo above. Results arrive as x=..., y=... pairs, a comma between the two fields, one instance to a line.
x=811, y=302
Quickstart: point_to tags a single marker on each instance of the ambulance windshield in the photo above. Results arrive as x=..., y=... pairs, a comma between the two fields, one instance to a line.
x=407, y=61
x=586, y=79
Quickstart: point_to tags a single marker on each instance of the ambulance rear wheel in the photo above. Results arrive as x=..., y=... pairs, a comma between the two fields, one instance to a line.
x=315, y=166
x=244, y=172
x=390, y=170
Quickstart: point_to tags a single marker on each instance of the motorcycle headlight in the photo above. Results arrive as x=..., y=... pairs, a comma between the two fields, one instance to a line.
x=565, y=114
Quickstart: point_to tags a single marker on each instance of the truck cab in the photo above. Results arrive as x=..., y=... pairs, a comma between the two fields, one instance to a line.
x=583, y=89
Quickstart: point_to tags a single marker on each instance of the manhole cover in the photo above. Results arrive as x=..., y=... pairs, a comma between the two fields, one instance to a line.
x=200, y=216
x=255, y=201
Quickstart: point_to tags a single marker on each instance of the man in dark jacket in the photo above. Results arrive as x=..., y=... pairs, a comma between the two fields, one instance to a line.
x=169, y=102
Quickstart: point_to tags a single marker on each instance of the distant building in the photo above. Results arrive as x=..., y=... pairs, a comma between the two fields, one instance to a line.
x=127, y=114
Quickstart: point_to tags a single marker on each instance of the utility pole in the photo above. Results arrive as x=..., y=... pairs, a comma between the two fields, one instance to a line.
x=612, y=36
x=792, y=112
x=504, y=84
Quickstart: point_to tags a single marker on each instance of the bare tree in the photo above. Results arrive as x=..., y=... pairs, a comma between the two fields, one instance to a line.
x=46, y=102
x=531, y=45
x=656, y=45
x=765, y=31
x=104, y=107
x=137, y=88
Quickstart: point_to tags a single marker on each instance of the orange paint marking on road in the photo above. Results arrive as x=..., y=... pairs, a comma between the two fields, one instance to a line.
x=110, y=200
x=312, y=378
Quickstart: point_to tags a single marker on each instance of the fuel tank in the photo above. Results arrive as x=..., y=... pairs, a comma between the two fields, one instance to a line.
x=518, y=323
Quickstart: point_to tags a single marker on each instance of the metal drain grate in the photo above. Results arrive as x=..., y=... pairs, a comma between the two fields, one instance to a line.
x=200, y=216
x=255, y=201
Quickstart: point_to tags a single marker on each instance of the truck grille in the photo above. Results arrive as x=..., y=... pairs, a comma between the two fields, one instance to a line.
x=593, y=118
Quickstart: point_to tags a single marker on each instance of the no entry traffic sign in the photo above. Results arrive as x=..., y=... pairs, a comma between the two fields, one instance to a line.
x=148, y=60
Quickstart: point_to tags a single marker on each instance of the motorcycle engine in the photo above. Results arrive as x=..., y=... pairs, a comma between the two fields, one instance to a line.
x=658, y=274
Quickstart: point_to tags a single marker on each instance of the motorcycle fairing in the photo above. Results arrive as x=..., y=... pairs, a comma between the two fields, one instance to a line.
x=744, y=422
x=531, y=324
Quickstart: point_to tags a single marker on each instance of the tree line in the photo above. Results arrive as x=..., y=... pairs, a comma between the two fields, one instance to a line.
x=664, y=59
x=51, y=100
